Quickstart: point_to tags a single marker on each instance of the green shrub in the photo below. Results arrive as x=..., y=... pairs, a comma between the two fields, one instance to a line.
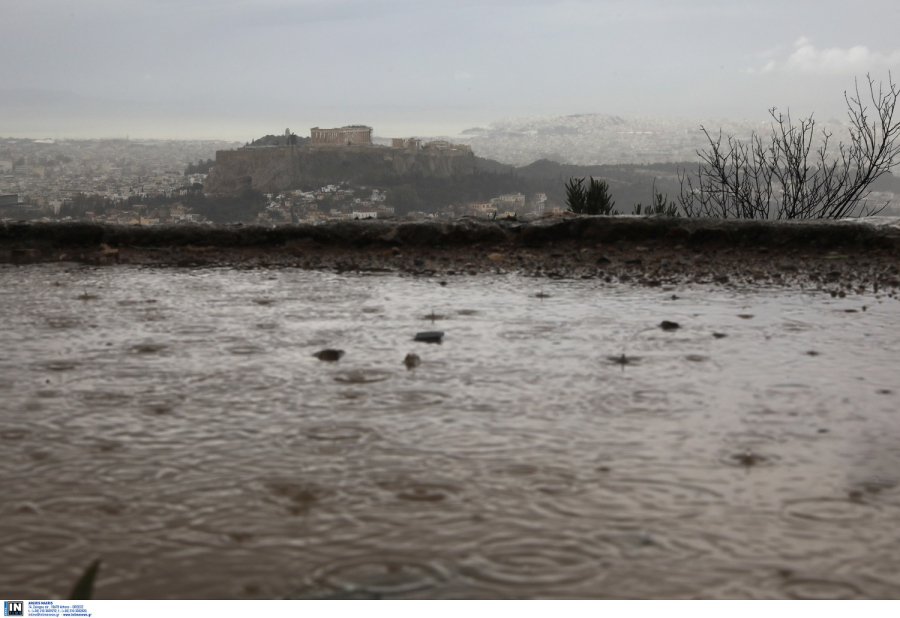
x=660, y=206
x=591, y=200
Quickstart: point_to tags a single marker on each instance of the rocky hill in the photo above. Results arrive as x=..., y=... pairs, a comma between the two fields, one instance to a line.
x=277, y=168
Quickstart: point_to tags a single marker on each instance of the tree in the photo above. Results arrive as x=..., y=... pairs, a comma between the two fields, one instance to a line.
x=591, y=200
x=659, y=206
x=782, y=177
x=243, y=206
x=404, y=199
x=200, y=168
x=575, y=197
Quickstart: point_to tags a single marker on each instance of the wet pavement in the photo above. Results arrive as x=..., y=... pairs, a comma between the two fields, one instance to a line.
x=558, y=442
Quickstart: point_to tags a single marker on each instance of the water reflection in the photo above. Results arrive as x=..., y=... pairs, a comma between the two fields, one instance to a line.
x=559, y=443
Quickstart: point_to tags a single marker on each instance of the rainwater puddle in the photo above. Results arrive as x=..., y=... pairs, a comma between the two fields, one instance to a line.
x=559, y=443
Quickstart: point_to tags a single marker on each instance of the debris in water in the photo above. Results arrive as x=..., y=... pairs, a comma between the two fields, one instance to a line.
x=412, y=360
x=719, y=335
x=748, y=459
x=430, y=336
x=329, y=355
x=541, y=295
x=667, y=325
x=623, y=360
x=84, y=587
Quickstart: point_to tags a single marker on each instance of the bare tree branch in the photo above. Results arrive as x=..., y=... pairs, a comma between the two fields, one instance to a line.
x=783, y=178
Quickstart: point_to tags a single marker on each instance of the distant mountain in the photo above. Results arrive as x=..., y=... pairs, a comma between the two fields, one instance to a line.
x=489, y=165
x=605, y=139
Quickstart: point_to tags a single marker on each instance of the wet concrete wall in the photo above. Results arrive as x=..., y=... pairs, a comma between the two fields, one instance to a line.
x=578, y=231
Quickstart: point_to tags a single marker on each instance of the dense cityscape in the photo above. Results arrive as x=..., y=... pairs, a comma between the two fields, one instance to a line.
x=150, y=182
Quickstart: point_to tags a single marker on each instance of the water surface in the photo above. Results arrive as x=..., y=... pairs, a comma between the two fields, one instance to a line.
x=558, y=443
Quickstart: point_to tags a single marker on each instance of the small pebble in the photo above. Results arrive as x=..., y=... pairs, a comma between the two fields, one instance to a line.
x=329, y=355
x=431, y=336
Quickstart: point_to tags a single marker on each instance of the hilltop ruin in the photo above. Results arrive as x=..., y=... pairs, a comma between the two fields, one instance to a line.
x=333, y=156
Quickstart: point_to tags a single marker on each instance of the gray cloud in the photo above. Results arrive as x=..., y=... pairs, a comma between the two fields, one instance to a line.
x=855, y=60
x=437, y=64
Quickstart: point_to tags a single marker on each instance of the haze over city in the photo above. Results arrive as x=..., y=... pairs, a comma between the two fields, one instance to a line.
x=198, y=69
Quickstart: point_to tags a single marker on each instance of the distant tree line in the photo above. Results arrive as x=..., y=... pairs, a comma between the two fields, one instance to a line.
x=202, y=167
x=242, y=206
x=81, y=204
x=430, y=194
x=279, y=140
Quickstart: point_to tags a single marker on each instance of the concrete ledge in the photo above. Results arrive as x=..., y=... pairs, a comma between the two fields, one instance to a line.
x=883, y=234
x=839, y=258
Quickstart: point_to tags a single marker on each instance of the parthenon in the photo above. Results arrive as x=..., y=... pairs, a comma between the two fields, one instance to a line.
x=352, y=134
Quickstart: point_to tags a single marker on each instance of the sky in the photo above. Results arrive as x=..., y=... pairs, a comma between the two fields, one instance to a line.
x=238, y=69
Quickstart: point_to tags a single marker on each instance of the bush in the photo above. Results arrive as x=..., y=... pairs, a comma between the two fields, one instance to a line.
x=659, y=205
x=592, y=200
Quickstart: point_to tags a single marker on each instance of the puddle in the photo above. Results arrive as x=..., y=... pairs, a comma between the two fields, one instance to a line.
x=821, y=589
x=835, y=510
x=380, y=577
x=559, y=443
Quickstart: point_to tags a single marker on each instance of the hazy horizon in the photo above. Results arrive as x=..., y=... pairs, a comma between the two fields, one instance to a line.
x=122, y=123
x=235, y=70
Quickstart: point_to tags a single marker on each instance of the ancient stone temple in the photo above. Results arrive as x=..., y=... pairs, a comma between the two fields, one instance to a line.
x=345, y=136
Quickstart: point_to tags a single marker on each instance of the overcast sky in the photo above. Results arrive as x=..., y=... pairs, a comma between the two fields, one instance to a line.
x=239, y=68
